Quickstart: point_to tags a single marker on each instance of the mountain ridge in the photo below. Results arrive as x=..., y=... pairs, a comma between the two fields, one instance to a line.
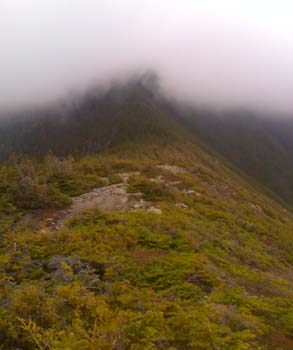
x=150, y=245
x=148, y=239
x=137, y=110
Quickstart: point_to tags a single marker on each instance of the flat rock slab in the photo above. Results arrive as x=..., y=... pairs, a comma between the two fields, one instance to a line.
x=108, y=198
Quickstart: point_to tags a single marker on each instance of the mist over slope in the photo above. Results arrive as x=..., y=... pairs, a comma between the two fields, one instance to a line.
x=137, y=110
x=146, y=175
x=127, y=111
x=151, y=243
x=262, y=147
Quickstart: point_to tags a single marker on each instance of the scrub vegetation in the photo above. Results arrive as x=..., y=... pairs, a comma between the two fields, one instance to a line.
x=207, y=268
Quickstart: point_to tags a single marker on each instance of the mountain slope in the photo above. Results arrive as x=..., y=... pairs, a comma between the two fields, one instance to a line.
x=138, y=236
x=261, y=148
x=122, y=113
x=195, y=258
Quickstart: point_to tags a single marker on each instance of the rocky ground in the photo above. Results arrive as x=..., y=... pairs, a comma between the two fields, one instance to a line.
x=107, y=198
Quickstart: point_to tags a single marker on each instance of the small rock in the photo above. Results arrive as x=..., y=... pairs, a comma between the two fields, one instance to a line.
x=154, y=210
x=181, y=205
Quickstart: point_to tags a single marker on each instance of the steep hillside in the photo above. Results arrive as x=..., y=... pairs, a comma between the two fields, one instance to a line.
x=173, y=251
x=125, y=113
x=101, y=119
x=261, y=147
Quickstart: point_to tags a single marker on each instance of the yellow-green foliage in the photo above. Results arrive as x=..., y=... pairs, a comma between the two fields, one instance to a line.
x=210, y=272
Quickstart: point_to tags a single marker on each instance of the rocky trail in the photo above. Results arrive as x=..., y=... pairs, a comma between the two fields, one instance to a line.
x=110, y=197
x=107, y=198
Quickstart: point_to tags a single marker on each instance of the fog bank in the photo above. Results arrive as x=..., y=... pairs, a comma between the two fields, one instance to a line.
x=209, y=52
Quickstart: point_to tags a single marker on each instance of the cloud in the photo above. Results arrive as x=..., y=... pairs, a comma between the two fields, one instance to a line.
x=220, y=53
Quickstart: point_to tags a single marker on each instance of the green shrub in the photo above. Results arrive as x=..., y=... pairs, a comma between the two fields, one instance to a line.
x=151, y=190
x=34, y=196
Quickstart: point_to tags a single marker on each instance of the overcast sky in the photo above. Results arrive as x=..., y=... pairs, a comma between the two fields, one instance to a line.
x=219, y=52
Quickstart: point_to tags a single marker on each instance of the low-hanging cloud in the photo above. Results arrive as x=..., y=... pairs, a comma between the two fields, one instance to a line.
x=220, y=53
